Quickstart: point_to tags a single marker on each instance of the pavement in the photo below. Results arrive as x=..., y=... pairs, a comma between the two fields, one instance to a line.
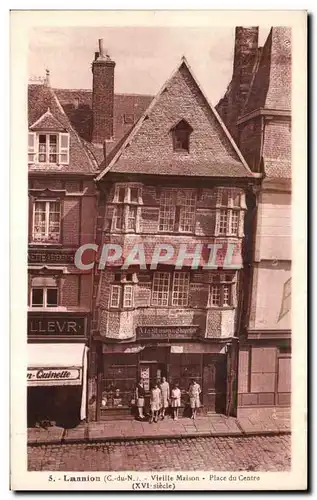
x=249, y=422
x=248, y=453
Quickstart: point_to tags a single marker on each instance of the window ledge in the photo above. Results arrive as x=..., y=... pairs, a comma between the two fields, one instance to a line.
x=47, y=309
x=220, y=308
x=44, y=244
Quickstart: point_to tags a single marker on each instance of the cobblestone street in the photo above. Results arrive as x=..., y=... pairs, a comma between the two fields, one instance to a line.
x=257, y=453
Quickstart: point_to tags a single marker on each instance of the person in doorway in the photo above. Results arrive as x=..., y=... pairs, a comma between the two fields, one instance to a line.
x=139, y=398
x=176, y=400
x=155, y=402
x=165, y=393
x=194, y=400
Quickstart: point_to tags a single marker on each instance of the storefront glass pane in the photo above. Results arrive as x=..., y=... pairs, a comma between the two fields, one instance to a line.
x=119, y=382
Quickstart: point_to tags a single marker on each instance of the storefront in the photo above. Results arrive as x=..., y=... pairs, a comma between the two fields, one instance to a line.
x=123, y=364
x=57, y=383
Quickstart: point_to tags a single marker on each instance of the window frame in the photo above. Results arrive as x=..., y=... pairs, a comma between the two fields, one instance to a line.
x=46, y=239
x=170, y=289
x=45, y=289
x=123, y=282
x=220, y=282
x=62, y=147
x=166, y=291
x=181, y=134
x=172, y=216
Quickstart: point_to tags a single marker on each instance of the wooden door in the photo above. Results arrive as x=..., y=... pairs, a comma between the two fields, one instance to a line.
x=214, y=384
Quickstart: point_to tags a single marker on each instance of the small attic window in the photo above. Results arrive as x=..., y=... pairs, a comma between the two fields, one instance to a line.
x=181, y=133
x=128, y=118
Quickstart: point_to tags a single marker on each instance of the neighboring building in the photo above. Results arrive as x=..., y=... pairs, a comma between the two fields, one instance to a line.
x=178, y=179
x=62, y=165
x=62, y=207
x=261, y=123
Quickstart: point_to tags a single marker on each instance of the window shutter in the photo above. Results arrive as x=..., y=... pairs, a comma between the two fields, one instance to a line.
x=217, y=222
x=32, y=147
x=64, y=148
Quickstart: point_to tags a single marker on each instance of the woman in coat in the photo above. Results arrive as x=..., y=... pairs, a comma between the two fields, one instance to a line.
x=165, y=393
x=139, y=397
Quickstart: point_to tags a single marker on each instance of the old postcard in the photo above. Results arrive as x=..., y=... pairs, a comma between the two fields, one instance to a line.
x=158, y=268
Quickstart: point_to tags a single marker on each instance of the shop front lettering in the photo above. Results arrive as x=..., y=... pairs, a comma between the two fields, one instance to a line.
x=61, y=374
x=167, y=332
x=50, y=257
x=59, y=326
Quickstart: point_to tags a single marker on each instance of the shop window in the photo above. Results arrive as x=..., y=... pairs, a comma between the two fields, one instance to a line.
x=181, y=134
x=177, y=211
x=119, y=382
x=183, y=368
x=48, y=148
x=220, y=294
x=46, y=221
x=166, y=285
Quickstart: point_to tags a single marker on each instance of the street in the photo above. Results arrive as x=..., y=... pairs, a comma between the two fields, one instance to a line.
x=256, y=453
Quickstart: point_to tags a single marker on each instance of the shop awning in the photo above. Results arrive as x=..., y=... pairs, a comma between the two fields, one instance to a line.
x=55, y=364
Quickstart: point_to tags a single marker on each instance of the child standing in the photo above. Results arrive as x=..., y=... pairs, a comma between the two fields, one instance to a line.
x=155, y=402
x=176, y=400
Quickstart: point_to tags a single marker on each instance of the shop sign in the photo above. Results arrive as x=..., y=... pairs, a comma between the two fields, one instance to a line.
x=167, y=332
x=50, y=257
x=54, y=376
x=177, y=349
x=61, y=325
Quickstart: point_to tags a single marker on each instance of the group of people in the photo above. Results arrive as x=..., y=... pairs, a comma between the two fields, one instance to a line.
x=161, y=397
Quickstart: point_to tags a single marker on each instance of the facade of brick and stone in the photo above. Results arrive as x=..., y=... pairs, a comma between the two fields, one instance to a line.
x=263, y=130
x=143, y=325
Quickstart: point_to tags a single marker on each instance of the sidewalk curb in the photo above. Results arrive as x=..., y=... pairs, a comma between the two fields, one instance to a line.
x=148, y=437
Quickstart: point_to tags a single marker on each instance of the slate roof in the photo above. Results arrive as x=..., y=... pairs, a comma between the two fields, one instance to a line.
x=40, y=99
x=214, y=153
x=48, y=122
x=277, y=169
x=77, y=104
x=271, y=87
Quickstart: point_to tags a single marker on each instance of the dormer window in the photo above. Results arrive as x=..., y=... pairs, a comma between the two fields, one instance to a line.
x=49, y=148
x=181, y=133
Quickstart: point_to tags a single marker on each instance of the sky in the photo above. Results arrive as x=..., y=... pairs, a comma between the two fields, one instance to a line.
x=145, y=57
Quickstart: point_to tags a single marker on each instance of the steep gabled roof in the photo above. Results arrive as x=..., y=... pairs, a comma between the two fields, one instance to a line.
x=40, y=99
x=148, y=148
x=271, y=87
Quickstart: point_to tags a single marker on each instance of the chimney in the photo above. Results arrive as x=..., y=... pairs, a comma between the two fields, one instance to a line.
x=102, y=96
x=245, y=56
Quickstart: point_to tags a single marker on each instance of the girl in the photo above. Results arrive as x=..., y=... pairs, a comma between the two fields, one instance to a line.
x=155, y=402
x=194, y=391
x=176, y=400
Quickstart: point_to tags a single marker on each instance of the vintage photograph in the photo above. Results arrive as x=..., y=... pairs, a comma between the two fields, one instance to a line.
x=159, y=259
